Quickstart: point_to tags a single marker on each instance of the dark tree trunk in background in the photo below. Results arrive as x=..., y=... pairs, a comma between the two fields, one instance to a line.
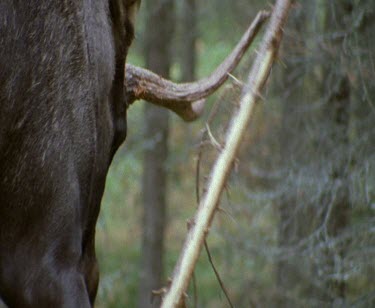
x=158, y=35
x=189, y=37
x=340, y=211
x=339, y=112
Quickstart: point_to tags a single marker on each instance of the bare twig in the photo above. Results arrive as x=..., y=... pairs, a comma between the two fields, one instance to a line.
x=186, y=99
x=195, y=291
x=257, y=78
x=222, y=286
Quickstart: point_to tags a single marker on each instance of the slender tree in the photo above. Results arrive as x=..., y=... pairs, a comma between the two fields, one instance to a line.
x=158, y=35
x=339, y=103
x=189, y=34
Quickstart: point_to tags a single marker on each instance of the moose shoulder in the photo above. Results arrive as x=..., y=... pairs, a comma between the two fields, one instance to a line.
x=62, y=117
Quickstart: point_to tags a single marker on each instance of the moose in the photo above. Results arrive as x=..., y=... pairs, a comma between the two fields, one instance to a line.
x=64, y=94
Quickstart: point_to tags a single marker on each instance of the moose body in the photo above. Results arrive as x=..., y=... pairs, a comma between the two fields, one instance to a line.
x=62, y=117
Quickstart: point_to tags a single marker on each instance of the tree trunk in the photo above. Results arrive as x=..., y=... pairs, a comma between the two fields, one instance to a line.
x=189, y=34
x=158, y=35
x=340, y=215
x=339, y=112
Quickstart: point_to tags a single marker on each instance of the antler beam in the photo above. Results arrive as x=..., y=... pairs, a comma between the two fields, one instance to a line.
x=187, y=99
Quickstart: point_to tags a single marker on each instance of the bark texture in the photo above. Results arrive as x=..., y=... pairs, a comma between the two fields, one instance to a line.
x=159, y=31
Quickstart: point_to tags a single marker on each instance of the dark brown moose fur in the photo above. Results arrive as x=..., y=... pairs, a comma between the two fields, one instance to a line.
x=62, y=117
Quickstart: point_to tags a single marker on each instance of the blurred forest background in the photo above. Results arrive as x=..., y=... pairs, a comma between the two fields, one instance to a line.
x=296, y=226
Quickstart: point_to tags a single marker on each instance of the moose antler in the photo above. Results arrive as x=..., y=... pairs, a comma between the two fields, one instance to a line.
x=187, y=99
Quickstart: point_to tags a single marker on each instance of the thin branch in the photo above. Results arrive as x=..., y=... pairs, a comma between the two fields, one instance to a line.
x=222, y=286
x=197, y=234
x=195, y=291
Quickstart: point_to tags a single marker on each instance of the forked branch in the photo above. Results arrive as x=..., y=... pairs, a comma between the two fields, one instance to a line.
x=187, y=99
